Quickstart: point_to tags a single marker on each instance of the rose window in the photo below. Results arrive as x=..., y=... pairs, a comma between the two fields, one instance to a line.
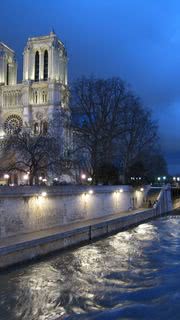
x=13, y=124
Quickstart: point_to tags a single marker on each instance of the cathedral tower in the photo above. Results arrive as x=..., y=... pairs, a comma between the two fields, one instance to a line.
x=8, y=66
x=45, y=58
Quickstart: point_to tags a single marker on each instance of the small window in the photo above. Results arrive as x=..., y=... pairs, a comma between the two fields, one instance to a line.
x=36, y=97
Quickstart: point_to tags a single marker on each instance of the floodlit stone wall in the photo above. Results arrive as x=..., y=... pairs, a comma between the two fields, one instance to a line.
x=25, y=209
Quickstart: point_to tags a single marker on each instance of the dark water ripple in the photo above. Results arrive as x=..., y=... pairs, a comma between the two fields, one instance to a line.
x=131, y=275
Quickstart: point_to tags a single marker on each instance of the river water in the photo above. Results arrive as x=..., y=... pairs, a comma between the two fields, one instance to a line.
x=132, y=275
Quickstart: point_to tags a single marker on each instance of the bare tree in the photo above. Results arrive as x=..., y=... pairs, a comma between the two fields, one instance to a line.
x=97, y=107
x=140, y=136
x=36, y=154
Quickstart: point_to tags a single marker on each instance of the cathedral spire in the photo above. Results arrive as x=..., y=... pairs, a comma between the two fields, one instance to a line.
x=52, y=31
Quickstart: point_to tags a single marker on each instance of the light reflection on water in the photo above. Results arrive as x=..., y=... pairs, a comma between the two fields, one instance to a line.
x=131, y=275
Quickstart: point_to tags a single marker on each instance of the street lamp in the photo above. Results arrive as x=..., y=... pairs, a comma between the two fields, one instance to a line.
x=44, y=194
x=26, y=177
x=83, y=176
x=6, y=176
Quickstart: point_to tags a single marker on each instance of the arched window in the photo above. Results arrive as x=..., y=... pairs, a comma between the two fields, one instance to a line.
x=36, y=128
x=7, y=74
x=37, y=66
x=45, y=65
x=45, y=128
x=35, y=97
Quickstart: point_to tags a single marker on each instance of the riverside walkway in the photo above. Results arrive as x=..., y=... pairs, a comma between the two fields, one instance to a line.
x=27, y=246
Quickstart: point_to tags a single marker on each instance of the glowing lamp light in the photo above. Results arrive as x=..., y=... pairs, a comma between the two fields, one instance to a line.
x=44, y=194
x=142, y=189
x=121, y=190
x=40, y=178
x=174, y=178
x=90, y=191
x=83, y=176
x=89, y=179
x=55, y=179
x=26, y=177
x=6, y=176
x=44, y=180
x=159, y=178
x=178, y=179
x=164, y=178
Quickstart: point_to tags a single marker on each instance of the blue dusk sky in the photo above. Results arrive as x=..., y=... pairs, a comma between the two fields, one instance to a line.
x=138, y=40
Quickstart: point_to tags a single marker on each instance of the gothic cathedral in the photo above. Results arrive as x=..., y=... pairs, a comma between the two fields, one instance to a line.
x=42, y=98
x=43, y=94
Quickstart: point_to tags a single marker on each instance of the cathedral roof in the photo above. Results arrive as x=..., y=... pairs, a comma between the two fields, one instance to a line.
x=51, y=35
x=4, y=46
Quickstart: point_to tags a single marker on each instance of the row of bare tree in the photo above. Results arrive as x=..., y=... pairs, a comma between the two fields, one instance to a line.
x=115, y=133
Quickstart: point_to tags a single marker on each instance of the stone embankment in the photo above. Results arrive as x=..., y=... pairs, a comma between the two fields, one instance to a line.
x=35, y=222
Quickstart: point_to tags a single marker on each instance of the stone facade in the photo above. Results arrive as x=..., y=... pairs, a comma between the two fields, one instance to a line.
x=43, y=94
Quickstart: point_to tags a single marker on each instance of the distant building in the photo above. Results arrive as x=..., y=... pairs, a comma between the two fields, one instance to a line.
x=42, y=96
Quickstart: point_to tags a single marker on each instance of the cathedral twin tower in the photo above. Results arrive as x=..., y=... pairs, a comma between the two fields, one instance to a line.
x=42, y=94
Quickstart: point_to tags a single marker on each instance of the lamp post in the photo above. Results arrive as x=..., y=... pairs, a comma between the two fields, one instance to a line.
x=6, y=177
x=26, y=178
x=83, y=178
x=89, y=179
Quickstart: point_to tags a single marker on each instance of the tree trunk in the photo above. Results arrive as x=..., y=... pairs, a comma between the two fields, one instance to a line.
x=31, y=178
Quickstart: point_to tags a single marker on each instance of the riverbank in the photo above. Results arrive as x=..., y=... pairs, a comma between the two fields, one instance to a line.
x=26, y=246
x=29, y=246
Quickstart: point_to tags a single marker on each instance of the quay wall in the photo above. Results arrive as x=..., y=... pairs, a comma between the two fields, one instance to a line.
x=26, y=247
x=25, y=210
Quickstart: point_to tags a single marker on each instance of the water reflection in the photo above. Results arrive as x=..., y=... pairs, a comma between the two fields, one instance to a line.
x=132, y=275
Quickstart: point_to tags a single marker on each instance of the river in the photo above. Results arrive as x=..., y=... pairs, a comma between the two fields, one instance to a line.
x=131, y=275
